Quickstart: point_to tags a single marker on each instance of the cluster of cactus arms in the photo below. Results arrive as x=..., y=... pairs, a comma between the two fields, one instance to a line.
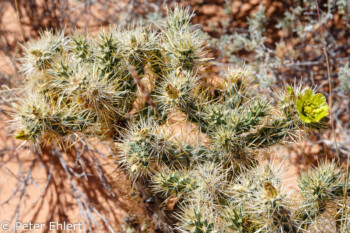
x=124, y=86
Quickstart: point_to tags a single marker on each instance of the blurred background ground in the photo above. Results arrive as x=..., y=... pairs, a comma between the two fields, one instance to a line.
x=289, y=50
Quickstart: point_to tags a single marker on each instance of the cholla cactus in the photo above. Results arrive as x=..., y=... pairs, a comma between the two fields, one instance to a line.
x=87, y=87
x=197, y=219
x=261, y=202
x=43, y=121
x=40, y=55
x=82, y=50
x=174, y=183
x=320, y=188
x=175, y=92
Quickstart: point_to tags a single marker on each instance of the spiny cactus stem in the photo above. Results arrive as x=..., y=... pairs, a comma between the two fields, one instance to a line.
x=142, y=87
